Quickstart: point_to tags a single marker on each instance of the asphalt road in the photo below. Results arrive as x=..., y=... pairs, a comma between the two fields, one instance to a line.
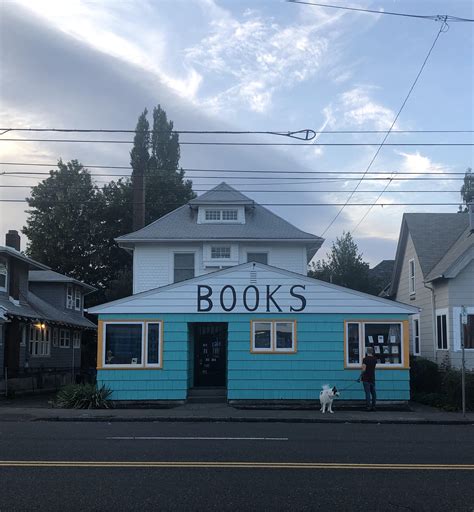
x=228, y=466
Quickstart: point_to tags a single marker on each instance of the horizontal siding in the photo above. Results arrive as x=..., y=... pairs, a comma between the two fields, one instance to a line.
x=319, y=360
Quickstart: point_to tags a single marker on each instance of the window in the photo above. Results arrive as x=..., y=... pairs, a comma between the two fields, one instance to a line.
x=386, y=338
x=77, y=300
x=416, y=335
x=229, y=214
x=40, y=340
x=213, y=215
x=220, y=253
x=69, y=297
x=135, y=344
x=64, y=338
x=441, y=331
x=411, y=276
x=3, y=274
x=55, y=337
x=183, y=266
x=273, y=336
x=76, y=339
x=469, y=332
x=257, y=257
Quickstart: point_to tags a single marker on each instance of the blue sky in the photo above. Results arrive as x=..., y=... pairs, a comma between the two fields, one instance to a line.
x=248, y=65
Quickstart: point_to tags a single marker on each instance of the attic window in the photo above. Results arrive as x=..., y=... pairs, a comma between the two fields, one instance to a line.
x=221, y=215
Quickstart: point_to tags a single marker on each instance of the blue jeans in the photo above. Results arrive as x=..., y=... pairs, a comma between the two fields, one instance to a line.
x=369, y=388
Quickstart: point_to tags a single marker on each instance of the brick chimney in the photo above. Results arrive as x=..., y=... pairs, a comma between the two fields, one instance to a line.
x=12, y=239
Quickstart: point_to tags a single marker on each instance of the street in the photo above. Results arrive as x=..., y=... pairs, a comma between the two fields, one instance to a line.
x=229, y=466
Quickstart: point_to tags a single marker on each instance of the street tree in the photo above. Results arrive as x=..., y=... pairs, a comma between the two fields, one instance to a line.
x=467, y=190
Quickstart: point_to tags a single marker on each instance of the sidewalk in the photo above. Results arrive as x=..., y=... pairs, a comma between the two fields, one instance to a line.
x=39, y=408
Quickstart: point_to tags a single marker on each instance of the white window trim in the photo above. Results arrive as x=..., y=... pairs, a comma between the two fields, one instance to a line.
x=45, y=338
x=411, y=277
x=457, y=328
x=273, y=348
x=194, y=252
x=413, y=331
x=362, y=347
x=440, y=312
x=69, y=296
x=76, y=339
x=67, y=338
x=5, y=288
x=77, y=295
x=144, y=364
x=220, y=247
x=240, y=219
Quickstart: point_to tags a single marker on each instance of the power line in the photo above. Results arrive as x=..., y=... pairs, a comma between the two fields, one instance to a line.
x=279, y=204
x=441, y=29
x=222, y=132
x=216, y=143
x=431, y=17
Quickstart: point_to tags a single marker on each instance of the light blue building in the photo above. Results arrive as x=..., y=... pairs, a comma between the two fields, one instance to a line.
x=221, y=300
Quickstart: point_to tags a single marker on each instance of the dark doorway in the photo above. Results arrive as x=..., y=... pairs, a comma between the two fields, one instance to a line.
x=210, y=354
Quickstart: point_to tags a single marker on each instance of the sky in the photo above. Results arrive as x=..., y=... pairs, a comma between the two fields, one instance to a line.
x=265, y=65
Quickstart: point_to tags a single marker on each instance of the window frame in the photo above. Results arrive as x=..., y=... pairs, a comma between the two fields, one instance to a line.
x=144, y=365
x=273, y=341
x=440, y=313
x=76, y=339
x=220, y=248
x=416, y=322
x=404, y=344
x=69, y=296
x=174, y=265
x=65, y=338
x=39, y=345
x=77, y=295
x=266, y=253
x=411, y=276
x=5, y=273
x=218, y=213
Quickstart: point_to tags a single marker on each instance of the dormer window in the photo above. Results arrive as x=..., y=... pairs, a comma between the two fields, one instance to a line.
x=229, y=215
x=3, y=275
x=69, y=297
x=214, y=215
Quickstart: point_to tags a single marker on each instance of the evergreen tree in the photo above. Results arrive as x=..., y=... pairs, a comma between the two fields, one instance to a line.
x=344, y=266
x=467, y=190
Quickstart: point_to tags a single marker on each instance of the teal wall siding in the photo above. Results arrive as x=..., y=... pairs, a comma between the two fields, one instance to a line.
x=319, y=360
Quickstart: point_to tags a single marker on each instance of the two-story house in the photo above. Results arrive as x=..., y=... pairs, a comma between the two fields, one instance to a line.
x=434, y=270
x=41, y=321
x=222, y=300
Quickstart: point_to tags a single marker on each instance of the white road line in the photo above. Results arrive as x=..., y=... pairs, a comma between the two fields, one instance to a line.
x=199, y=438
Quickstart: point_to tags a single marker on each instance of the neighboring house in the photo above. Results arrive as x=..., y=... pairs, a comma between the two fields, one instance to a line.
x=434, y=270
x=380, y=276
x=41, y=320
x=221, y=299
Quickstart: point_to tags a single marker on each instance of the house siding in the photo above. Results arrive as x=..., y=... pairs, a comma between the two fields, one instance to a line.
x=319, y=360
x=153, y=264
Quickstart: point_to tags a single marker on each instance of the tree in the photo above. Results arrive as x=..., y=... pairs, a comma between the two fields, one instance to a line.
x=344, y=266
x=62, y=227
x=467, y=190
x=139, y=159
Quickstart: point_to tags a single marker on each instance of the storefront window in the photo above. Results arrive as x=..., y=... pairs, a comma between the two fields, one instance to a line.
x=133, y=344
x=385, y=338
x=273, y=336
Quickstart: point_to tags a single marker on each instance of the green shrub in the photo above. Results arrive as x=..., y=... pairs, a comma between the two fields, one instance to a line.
x=83, y=396
x=425, y=376
x=452, y=389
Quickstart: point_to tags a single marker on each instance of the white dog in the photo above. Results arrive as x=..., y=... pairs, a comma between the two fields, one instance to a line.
x=326, y=398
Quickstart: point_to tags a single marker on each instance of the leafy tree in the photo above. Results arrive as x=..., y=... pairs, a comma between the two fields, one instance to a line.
x=467, y=190
x=62, y=227
x=344, y=266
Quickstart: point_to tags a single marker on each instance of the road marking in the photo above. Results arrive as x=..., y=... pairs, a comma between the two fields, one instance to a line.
x=197, y=438
x=235, y=465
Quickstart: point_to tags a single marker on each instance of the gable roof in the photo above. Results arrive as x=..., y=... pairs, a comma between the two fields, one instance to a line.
x=222, y=194
x=321, y=297
x=434, y=235
x=180, y=224
x=32, y=264
x=50, y=276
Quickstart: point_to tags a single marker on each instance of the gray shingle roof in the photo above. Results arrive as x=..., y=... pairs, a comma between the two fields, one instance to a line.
x=433, y=234
x=260, y=224
x=50, y=276
x=222, y=194
x=21, y=310
x=19, y=256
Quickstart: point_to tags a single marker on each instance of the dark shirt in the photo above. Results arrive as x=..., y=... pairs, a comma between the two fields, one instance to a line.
x=369, y=374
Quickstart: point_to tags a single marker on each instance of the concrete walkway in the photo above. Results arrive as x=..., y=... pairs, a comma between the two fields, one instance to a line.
x=40, y=408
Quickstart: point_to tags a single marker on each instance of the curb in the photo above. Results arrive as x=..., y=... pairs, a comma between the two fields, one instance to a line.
x=202, y=419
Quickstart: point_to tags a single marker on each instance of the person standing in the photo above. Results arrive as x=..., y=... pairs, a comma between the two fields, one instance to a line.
x=368, y=378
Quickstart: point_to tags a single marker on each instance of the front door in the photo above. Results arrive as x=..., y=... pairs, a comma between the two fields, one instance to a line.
x=210, y=354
